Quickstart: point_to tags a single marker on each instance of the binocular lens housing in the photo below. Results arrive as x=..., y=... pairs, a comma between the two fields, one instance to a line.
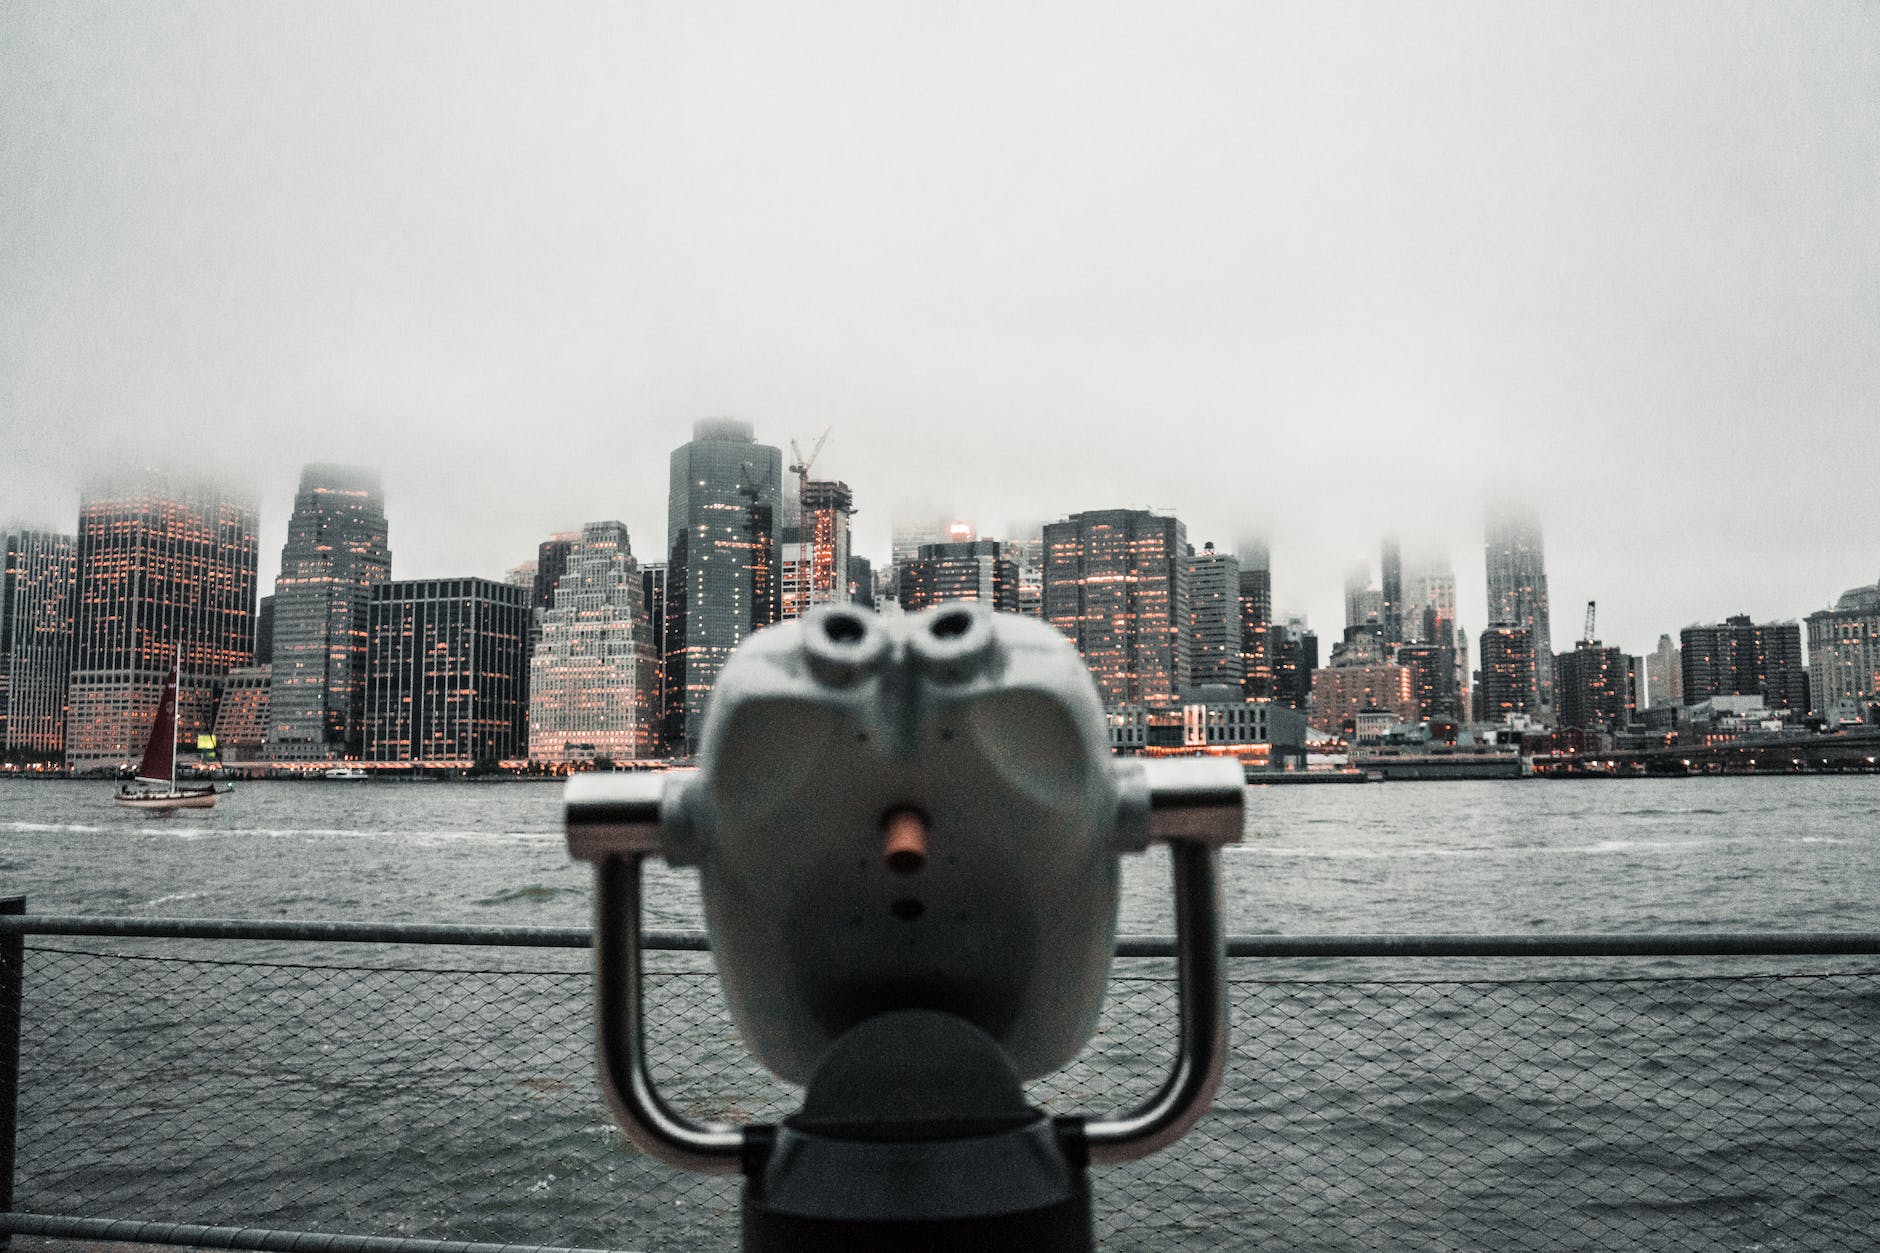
x=910, y=813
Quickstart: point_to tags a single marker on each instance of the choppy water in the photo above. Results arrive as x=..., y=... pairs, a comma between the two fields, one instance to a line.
x=1366, y=1106
x=1603, y=855
x=1556, y=855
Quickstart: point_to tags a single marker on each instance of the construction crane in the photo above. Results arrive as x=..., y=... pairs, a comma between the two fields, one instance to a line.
x=1588, y=637
x=800, y=465
x=811, y=542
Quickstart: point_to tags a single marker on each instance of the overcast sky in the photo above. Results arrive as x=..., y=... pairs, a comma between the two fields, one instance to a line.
x=1316, y=272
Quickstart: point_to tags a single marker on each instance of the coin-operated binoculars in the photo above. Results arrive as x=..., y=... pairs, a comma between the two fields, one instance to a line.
x=907, y=833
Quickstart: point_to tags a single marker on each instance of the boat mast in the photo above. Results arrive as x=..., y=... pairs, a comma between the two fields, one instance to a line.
x=176, y=698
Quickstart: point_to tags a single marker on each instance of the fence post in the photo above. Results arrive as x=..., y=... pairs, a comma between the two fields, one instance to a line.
x=12, y=971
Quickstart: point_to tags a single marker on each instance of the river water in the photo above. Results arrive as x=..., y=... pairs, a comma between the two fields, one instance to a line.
x=1537, y=855
x=448, y=1093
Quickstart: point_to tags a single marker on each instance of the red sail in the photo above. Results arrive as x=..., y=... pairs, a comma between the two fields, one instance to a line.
x=160, y=753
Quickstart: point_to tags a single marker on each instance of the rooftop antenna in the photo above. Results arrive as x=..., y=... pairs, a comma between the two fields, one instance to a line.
x=1588, y=637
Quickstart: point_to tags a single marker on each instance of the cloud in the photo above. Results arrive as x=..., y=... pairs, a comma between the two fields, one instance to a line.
x=1319, y=272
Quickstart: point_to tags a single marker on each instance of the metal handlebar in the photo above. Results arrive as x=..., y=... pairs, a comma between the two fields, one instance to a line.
x=1201, y=998
x=620, y=1024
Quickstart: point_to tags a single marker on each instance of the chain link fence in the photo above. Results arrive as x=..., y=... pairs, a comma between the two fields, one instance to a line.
x=451, y=1094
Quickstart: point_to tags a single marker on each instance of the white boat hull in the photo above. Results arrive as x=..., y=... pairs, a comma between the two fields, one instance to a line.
x=182, y=798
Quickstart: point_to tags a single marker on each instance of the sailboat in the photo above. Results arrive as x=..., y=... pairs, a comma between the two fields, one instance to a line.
x=155, y=786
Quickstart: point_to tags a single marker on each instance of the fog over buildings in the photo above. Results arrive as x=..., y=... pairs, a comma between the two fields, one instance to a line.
x=1315, y=274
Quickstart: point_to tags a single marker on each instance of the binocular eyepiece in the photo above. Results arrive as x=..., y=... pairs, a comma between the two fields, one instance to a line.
x=908, y=834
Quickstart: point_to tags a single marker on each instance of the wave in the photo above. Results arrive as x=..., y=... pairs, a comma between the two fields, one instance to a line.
x=276, y=832
x=1369, y=853
x=53, y=826
x=1386, y=852
x=1627, y=846
x=404, y=834
x=173, y=896
x=1698, y=811
x=533, y=893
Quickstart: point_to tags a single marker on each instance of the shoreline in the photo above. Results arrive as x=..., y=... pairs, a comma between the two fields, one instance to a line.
x=1369, y=773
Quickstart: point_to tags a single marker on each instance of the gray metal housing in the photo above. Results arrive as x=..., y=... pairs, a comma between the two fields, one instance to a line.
x=986, y=723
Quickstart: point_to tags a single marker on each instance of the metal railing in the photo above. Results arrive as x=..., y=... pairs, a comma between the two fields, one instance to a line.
x=1668, y=1091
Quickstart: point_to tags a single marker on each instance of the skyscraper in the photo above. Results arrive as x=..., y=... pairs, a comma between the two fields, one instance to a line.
x=1364, y=604
x=542, y=576
x=1027, y=549
x=1430, y=618
x=1116, y=585
x=1507, y=686
x=653, y=593
x=1844, y=656
x=38, y=578
x=1295, y=650
x=861, y=582
x=816, y=548
x=722, y=574
x=1460, y=649
x=969, y=570
x=1392, y=602
x=1432, y=669
x=551, y=561
x=334, y=556
x=1738, y=657
x=593, y=673
x=446, y=666
x=1257, y=652
x=913, y=530
x=1595, y=687
x=241, y=715
x=264, y=631
x=1517, y=589
x=1664, y=675
x=1214, y=618
x=1430, y=601
x=166, y=573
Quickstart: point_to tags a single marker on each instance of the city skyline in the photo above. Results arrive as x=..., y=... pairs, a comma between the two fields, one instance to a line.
x=1623, y=264
x=164, y=570
x=1329, y=599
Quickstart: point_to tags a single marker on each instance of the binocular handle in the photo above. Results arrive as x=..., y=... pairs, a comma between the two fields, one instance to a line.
x=620, y=1024
x=1201, y=1009
x=1195, y=806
